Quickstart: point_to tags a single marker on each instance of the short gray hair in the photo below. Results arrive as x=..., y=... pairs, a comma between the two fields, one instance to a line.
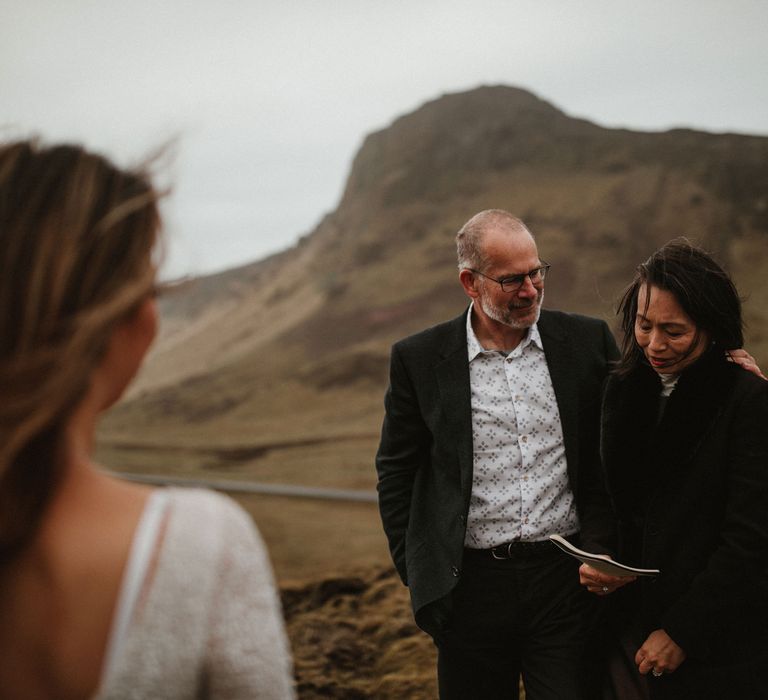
x=469, y=239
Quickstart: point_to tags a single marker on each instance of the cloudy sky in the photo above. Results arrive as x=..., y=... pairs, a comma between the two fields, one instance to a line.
x=266, y=103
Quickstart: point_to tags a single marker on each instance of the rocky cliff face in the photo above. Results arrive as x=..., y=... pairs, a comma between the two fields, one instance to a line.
x=324, y=313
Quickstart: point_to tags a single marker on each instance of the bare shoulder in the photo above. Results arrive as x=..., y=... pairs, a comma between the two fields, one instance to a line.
x=59, y=596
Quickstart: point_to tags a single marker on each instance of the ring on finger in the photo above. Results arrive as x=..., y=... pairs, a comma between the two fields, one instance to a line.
x=656, y=672
x=606, y=589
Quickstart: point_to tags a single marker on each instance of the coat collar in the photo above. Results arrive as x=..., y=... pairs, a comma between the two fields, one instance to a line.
x=452, y=374
x=641, y=453
x=455, y=332
x=474, y=347
x=454, y=336
x=560, y=362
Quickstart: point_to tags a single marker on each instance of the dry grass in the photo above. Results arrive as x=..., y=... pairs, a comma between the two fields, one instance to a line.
x=353, y=637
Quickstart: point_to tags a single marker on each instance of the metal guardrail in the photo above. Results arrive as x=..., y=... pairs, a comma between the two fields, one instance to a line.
x=254, y=487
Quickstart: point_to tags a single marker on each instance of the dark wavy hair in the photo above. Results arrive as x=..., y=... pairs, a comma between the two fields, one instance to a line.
x=77, y=237
x=702, y=288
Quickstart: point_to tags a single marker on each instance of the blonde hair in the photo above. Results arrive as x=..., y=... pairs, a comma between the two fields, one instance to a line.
x=76, y=241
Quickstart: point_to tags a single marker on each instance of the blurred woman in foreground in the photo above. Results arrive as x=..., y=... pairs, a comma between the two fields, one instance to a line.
x=107, y=589
x=685, y=450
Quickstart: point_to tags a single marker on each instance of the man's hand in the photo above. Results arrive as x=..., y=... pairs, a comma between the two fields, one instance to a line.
x=600, y=583
x=659, y=654
x=742, y=358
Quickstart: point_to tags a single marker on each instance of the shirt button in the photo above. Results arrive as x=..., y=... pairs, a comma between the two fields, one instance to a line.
x=524, y=438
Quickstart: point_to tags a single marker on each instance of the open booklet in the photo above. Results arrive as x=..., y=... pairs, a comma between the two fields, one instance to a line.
x=600, y=562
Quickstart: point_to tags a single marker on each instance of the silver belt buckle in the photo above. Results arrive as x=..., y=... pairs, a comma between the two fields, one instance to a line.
x=509, y=552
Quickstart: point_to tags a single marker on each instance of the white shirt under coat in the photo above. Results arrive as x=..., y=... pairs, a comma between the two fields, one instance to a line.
x=520, y=488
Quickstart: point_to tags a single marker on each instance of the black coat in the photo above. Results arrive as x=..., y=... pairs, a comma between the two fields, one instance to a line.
x=691, y=496
x=424, y=461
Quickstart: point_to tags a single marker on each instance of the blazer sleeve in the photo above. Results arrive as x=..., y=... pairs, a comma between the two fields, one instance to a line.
x=404, y=447
x=598, y=522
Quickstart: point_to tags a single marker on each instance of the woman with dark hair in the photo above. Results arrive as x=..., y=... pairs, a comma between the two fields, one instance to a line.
x=107, y=589
x=685, y=453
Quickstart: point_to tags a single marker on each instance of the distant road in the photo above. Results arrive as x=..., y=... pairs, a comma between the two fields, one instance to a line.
x=256, y=487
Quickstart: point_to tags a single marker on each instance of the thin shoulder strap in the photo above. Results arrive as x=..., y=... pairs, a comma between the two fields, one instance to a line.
x=142, y=549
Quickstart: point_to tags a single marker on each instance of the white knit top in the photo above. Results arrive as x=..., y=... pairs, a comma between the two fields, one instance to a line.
x=198, y=614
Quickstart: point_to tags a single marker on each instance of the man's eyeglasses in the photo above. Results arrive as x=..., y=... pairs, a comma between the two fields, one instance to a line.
x=514, y=282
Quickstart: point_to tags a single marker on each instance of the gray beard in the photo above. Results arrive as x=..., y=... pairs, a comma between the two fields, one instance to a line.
x=501, y=314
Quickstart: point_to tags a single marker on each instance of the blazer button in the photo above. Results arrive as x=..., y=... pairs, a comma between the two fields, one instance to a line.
x=455, y=571
x=462, y=519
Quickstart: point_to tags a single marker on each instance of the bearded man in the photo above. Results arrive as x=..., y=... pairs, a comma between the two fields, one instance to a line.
x=489, y=445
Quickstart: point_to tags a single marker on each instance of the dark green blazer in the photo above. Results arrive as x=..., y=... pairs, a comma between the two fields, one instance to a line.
x=424, y=461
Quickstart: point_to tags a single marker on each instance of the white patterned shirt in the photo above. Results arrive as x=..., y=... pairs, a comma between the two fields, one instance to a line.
x=520, y=488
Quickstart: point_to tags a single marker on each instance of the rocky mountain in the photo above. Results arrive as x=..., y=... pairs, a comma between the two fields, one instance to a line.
x=290, y=353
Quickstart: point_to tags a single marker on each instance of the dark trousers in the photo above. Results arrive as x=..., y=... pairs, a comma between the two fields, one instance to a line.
x=527, y=616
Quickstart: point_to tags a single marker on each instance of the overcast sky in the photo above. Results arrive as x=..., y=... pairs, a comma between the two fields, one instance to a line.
x=268, y=101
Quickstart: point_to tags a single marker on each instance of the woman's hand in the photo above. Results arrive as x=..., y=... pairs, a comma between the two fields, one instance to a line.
x=659, y=654
x=742, y=358
x=599, y=583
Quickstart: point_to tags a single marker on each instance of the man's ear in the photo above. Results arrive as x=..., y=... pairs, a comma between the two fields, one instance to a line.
x=469, y=281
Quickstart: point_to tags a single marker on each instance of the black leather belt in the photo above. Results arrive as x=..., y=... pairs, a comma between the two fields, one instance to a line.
x=510, y=550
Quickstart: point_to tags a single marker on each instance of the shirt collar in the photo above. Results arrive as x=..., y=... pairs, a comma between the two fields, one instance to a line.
x=474, y=348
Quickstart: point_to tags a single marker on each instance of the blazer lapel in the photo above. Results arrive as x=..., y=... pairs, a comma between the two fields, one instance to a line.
x=452, y=373
x=559, y=358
